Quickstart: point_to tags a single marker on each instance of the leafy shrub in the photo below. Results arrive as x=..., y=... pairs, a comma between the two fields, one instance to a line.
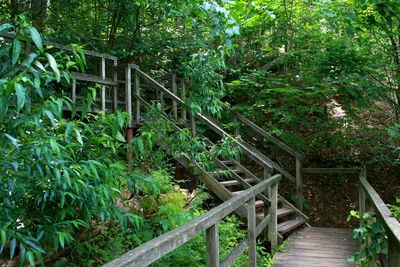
x=58, y=175
x=372, y=237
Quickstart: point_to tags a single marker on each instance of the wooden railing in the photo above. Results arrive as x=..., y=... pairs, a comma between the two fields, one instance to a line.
x=297, y=179
x=104, y=73
x=162, y=245
x=370, y=201
x=164, y=93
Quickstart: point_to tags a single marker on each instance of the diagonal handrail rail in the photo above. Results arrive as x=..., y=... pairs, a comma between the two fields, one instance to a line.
x=162, y=245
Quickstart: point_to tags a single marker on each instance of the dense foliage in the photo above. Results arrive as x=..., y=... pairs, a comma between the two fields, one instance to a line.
x=323, y=76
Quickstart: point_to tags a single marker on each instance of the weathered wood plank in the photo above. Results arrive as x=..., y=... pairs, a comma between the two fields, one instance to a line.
x=212, y=246
x=236, y=252
x=331, y=170
x=251, y=232
x=92, y=78
x=268, y=136
x=318, y=246
x=273, y=224
x=299, y=185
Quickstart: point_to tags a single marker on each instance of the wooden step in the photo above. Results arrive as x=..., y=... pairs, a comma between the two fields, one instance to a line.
x=282, y=212
x=228, y=162
x=235, y=182
x=290, y=225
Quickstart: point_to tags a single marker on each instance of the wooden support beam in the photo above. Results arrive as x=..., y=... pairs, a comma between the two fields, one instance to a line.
x=193, y=125
x=137, y=91
x=115, y=87
x=73, y=92
x=183, y=97
x=236, y=132
x=252, y=232
x=175, y=92
x=212, y=246
x=103, y=87
x=299, y=185
x=273, y=224
x=128, y=93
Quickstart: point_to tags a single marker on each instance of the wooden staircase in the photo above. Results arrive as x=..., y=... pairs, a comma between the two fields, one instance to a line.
x=238, y=179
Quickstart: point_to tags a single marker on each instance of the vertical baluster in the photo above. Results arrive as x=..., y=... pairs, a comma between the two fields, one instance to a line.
x=236, y=127
x=103, y=87
x=183, y=97
x=73, y=92
x=393, y=251
x=193, y=124
x=162, y=102
x=266, y=175
x=137, y=91
x=128, y=107
x=273, y=224
x=115, y=88
x=212, y=246
x=299, y=186
x=128, y=92
x=175, y=92
x=251, y=230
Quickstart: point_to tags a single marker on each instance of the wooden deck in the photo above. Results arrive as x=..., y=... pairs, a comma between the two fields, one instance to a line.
x=318, y=246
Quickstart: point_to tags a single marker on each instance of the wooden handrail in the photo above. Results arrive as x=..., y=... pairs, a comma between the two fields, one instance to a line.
x=384, y=217
x=213, y=126
x=268, y=136
x=162, y=245
x=63, y=47
x=331, y=170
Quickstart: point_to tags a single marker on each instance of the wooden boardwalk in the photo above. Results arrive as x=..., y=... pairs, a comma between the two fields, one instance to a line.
x=318, y=246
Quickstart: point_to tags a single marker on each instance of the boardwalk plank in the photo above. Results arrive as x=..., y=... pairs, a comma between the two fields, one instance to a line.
x=318, y=246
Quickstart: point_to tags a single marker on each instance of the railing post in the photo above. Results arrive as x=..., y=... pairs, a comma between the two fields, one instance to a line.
x=183, y=97
x=273, y=224
x=137, y=91
x=115, y=88
x=393, y=251
x=175, y=92
x=193, y=124
x=103, y=87
x=299, y=185
x=251, y=230
x=128, y=108
x=128, y=92
x=212, y=246
x=236, y=128
x=73, y=93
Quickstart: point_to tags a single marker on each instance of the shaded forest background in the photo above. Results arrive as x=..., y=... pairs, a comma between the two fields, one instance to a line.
x=323, y=76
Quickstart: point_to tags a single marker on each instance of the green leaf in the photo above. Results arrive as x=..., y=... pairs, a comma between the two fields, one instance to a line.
x=13, y=244
x=53, y=65
x=5, y=26
x=120, y=137
x=13, y=140
x=3, y=237
x=36, y=38
x=68, y=130
x=35, y=246
x=61, y=239
x=16, y=51
x=30, y=257
x=78, y=136
x=50, y=115
x=20, y=91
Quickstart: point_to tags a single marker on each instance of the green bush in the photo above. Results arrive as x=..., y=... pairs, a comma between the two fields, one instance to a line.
x=58, y=176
